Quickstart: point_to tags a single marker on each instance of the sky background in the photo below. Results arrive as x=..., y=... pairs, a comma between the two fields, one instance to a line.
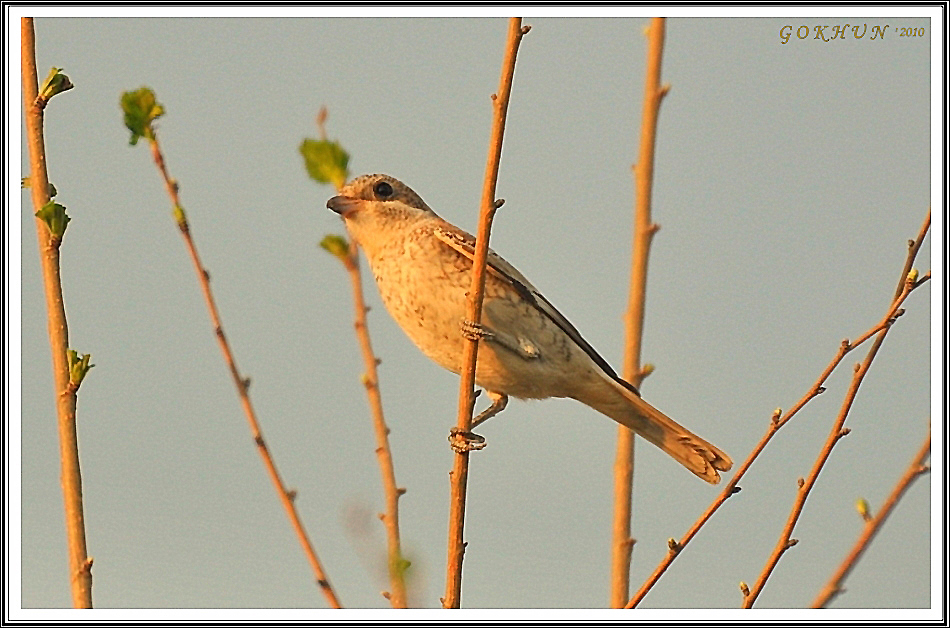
x=788, y=180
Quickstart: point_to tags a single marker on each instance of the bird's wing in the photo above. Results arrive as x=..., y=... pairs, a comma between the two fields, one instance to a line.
x=464, y=243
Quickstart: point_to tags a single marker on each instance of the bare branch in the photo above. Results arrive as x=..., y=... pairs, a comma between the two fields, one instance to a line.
x=241, y=383
x=459, y=474
x=778, y=420
x=644, y=230
x=833, y=587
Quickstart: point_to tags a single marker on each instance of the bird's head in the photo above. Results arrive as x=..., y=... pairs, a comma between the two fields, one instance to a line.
x=377, y=207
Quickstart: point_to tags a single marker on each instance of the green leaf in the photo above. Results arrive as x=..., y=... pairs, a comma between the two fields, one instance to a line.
x=326, y=161
x=335, y=245
x=55, y=83
x=54, y=215
x=141, y=109
x=78, y=366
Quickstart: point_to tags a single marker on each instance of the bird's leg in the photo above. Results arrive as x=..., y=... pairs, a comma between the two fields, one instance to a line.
x=522, y=347
x=469, y=441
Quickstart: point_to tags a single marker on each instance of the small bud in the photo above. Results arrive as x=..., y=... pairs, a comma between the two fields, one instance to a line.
x=78, y=366
x=777, y=415
x=864, y=509
x=801, y=482
x=647, y=369
x=912, y=276
x=56, y=83
x=180, y=218
x=673, y=545
x=744, y=588
x=791, y=543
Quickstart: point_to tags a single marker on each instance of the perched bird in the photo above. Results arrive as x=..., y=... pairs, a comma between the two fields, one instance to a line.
x=527, y=349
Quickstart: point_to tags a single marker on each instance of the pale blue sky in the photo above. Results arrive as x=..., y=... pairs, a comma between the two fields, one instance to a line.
x=788, y=179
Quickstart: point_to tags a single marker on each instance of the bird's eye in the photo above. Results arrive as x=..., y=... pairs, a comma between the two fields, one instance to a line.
x=383, y=189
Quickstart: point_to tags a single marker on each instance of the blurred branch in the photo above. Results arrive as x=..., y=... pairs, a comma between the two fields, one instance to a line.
x=348, y=254
x=459, y=474
x=644, y=230
x=139, y=121
x=51, y=221
x=778, y=420
x=917, y=468
x=838, y=430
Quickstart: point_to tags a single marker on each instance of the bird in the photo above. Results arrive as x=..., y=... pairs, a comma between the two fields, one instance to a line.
x=422, y=265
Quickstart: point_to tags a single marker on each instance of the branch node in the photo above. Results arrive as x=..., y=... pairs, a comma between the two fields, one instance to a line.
x=259, y=441
x=777, y=415
x=744, y=588
x=735, y=489
x=499, y=202
x=673, y=545
x=525, y=29
x=400, y=492
x=820, y=390
x=844, y=432
x=385, y=594
x=801, y=482
x=791, y=543
x=292, y=494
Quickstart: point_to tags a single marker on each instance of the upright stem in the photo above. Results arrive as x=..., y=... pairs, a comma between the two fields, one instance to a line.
x=80, y=573
x=644, y=230
x=459, y=473
x=396, y=564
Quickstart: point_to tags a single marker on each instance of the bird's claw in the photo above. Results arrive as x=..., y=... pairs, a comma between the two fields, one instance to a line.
x=474, y=331
x=463, y=442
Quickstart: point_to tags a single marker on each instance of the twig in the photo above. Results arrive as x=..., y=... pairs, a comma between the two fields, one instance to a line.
x=644, y=230
x=80, y=565
x=838, y=431
x=777, y=421
x=396, y=562
x=917, y=468
x=242, y=384
x=459, y=474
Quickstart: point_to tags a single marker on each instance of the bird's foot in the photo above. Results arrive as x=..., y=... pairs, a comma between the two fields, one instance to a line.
x=463, y=442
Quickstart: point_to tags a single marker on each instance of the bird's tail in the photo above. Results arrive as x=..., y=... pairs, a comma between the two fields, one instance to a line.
x=627, y=408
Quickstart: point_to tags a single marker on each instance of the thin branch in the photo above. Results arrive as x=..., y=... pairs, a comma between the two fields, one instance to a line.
x=80, y=565
x=917, y=468
x=838, y=431
x=242, y=384
x=644, y=230
x=396, y=563
x=459, y=473
x=777, y=421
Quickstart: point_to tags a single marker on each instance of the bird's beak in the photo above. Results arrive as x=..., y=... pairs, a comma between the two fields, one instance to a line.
x=343, y=204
